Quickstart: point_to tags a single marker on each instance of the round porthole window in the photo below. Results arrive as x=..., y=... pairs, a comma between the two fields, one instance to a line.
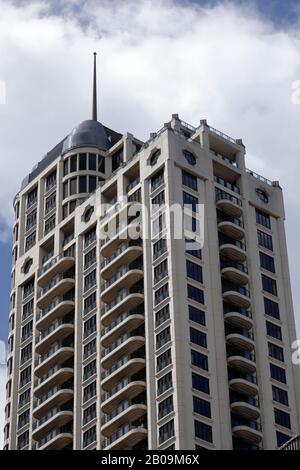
x=190, y=157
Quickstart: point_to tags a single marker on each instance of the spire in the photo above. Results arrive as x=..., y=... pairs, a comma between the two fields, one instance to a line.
x=94, y=116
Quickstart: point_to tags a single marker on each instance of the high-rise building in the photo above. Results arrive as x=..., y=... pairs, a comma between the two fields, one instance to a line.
x=152, y=341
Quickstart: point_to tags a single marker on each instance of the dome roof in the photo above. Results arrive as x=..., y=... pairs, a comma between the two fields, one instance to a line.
x=87, y=134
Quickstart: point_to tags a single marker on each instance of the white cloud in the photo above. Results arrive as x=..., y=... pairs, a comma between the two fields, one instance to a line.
x=2, y=402
x=223, y=63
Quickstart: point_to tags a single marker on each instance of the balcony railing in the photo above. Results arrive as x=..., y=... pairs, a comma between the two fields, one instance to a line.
x=59, y=299
x=49, y=265
x=227, y=184
x=123, y=294
x=121, y=248
x=121, y=339
x=220, y=195
x=54, y=282
x=224, y=158
x=121, y=432
x=52, y=391
x=230, y=286
x=56, y=324
x=120, y=319
x=227, y=263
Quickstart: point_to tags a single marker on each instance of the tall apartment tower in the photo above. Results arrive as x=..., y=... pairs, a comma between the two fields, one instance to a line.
x=149, y=342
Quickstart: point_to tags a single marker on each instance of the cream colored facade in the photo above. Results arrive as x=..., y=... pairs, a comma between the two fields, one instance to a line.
x=143, y=344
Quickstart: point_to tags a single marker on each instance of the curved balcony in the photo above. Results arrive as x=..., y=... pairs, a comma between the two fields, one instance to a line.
x=239, y=317
x=234, y=272
x=126, y=322
x=55, y=439
x=125, y=366
x=235, y=295
x=242, y=340
x=124, y=344
x=123, y=279
x=233, y=249
x=125, y=388
x=57, y=265
x=229, y=204
x=57, y=331
x=59, y=307
x=243, y=361
x=246, y=385
x=123, y=231
x=247, y=408
x=56, y=396
x=248, y=431
x=126, y=300
x=56, y=417
x=232, y=228
x=57, y=354
x=58, y=286
x=55, y=376
x=125, y=437
x=126, y=412
x=125, y=254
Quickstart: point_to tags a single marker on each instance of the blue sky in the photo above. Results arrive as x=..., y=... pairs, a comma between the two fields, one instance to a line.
x=281, y=13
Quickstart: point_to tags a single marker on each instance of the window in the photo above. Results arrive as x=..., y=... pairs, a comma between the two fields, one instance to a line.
x=90, y=326
x=27, y=309
x=160, y=271
x=25, y=376
x=27, y=265
x=157, y=180
x=89, y=391
x=89, y=436
x=194, y=271
x=92, y=161
x=263, y=219
x=276, y=352
x=26, y=353
x=159, y=248
x=265, y=240
x=166, y=431
x=163, y=337
x=200, y=383
x=273, y=330
x=50, y=224
x=92, y=183
x=158, y=224
x=269, y=284
x=158, y=201
x=154, y=157
x=90, y=237
x=23, y=419
x=203, y=431
x=116, y=159
x=82, y=184
x=267, y=262
x=28, y=288
x=189, y=180
x=191, y=224
x=24, y=398
x=90, y=258
x=282, y=418
x=32, y=198
x=50, y=203
x=89, y=348
x=195, y=294
x=161, y=294
x=193, y=248
x=27, y=330
x=65, y=190
x=82, y=161
x=199, y=360
x=202, y=407
x=73, y=163
x=101, y=164
x=281, y=438
x=164, y=383
x=73, y=186
x=90, y=280
x=271, y=308
x=89, y=413
x=190, y=202
x=66, y=167
x=165, y=407
x=163, y=360
x=50, y=180
x=162, y=315
x=279, y=395
x=23, y=440
x=89, y=370
x=190, y=157
x=31, y=220
x=196, y=315
x=197, y=337
x=30, y=241
x=277, y=373
x=262, y=195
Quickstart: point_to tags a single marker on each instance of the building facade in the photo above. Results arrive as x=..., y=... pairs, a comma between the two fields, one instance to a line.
x=149, y=341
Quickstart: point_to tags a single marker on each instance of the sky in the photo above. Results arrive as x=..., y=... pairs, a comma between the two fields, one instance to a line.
x=230, y=62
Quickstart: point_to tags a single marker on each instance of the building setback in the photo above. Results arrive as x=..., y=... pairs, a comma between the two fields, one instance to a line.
x=147, y=342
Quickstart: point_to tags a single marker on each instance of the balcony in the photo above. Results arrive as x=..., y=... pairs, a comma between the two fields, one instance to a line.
x=126, y=322
x=126, y=343
x=58, y=353
x=126, y=366
x=56, y=396
x=233, y=271
x=241, y=339
x=127, y=299
x=249, y=431
x=57, y=331
x=125, y=278
x=56, y=439
x=238, y=317
x=244, y=406
x=243, y=384
x=125, y=254
x=56, y=375
x=125, y=437
x=124, y=231
x=125, y=412
x=59, y=285
x=57, y=265
x=242, y=360
x=59, y=307
x=55, y=417
x=231, y=227
x=229, y=204
x=233, y=249
x=235, y=295
x=126, y=388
